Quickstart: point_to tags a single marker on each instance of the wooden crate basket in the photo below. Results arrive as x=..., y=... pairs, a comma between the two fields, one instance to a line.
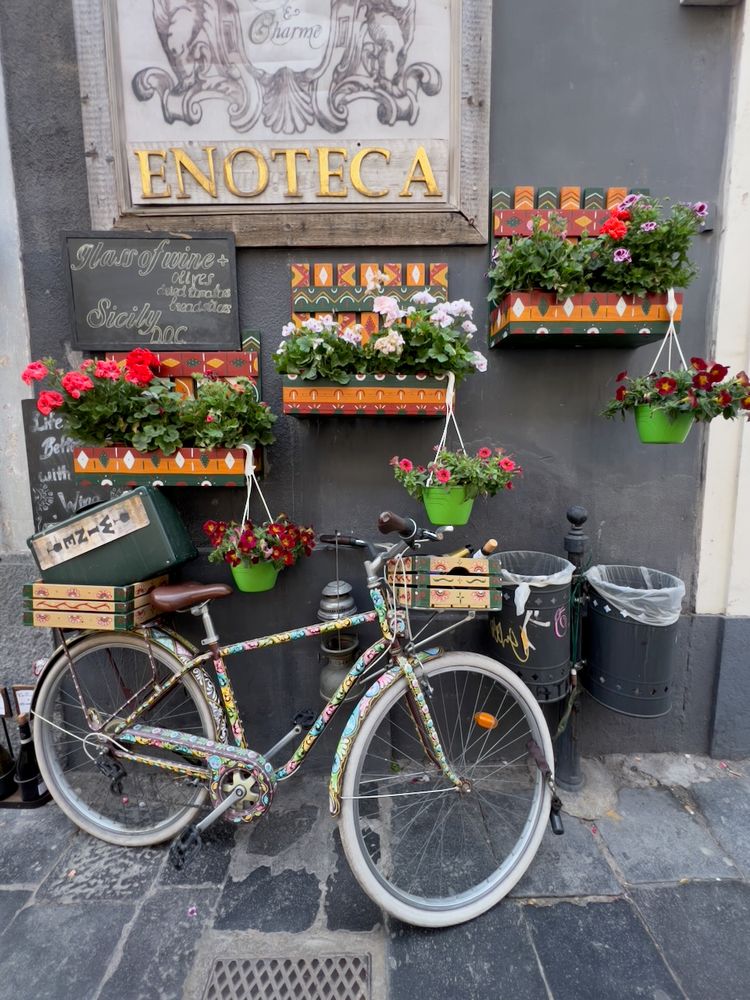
x=100, y=608
x=447, y=583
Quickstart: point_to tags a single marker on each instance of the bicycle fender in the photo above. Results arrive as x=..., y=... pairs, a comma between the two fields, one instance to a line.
x=354, y=723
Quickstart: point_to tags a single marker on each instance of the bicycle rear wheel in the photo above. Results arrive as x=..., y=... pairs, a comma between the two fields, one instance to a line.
x=111, y=674
x=425, y=852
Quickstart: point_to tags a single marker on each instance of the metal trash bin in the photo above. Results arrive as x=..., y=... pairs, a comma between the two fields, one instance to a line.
x=631, y=638
x=531, y=629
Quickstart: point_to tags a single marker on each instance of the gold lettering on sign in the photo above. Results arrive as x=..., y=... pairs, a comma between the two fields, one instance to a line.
x=355, y=171
x=148, y=174
x=292, y=191
x=183, y=161
x=425, y=176
x=261, y=165
x=327, y=172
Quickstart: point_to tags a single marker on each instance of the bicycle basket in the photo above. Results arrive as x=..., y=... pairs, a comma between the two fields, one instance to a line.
x=446, y=583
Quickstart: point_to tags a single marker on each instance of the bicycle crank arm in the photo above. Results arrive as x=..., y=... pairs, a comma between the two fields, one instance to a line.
x=236, y=795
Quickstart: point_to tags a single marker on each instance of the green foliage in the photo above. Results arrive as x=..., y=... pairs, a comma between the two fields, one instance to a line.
x=280, y=542
x=483, y=474
x=653, y=254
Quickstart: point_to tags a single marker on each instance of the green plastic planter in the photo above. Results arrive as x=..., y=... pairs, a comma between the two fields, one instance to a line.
x=447, y=505
x=255, y=578
x=658, y=427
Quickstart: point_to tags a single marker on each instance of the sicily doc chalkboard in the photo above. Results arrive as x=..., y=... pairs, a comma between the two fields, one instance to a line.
x=156, y=291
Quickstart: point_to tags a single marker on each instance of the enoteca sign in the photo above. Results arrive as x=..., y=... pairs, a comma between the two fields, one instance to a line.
x=350, y=121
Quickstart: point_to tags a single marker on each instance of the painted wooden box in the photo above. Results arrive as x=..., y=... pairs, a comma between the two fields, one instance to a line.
x=101, y=608
x=124, y=466
x=366, y=395
x=447, y=583
x=591, y=319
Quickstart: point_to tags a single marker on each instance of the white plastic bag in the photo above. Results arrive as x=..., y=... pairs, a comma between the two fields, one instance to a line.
x=647, y=595
x=533, y=569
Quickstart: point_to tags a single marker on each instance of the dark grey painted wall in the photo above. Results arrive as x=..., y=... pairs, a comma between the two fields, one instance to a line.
x=596, y=93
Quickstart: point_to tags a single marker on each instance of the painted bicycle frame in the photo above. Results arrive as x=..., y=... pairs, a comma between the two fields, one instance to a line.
x=400, y=665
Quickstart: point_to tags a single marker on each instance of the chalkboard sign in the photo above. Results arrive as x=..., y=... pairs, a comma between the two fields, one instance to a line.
x=176, y=292
x=55, y=493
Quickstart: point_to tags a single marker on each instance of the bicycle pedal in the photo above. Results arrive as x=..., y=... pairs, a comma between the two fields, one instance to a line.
x=305, y=718
x=184, y=847
x=555, y=819
x=111, y=769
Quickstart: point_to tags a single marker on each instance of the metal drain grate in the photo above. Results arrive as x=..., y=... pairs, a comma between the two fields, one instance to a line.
x=329, y=977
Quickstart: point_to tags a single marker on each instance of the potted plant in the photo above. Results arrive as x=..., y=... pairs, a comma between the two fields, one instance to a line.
x=666, y=404
x=608, y=287
x=449, y=485
x=256, y=553
x=137, y=421
x=401, y=370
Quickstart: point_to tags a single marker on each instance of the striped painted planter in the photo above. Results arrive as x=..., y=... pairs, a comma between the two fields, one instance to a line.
x=124, y=466
x=591, y=319
x=366, y=395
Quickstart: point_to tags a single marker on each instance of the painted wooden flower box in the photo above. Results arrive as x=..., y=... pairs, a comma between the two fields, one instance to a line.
x=121, y=465
x=447, y=582
x=50, y=605
x=366, y=395
x=591, y=319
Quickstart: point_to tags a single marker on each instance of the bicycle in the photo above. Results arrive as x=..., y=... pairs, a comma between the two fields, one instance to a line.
x=442, y=779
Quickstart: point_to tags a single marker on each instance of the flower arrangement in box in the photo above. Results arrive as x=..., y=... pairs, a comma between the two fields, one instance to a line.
x=257, y=552
x=667, y=403
x=104, y=403
x=416, y=346
x=449, y=485
x=615, y=280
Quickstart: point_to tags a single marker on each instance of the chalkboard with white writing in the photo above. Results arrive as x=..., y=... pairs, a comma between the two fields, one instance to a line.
x=156, y=291
x=55, y=493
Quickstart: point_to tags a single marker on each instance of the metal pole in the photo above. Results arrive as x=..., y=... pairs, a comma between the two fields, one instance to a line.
x=568, y=774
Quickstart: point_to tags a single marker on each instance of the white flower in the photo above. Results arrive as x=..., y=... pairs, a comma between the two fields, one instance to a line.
x=460, y=307
x=441, y=317
x=328, y=321
x=391, y=343
x=479, y=361
x=314, y=325
x=388, y=308
x=288, y=330
x=410, y=310
x=468, y=327
x=423, y=298
x=375, y=282
x=351, y=336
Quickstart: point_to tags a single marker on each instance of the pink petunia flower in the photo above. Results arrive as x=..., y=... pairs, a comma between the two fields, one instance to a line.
x=443, y=475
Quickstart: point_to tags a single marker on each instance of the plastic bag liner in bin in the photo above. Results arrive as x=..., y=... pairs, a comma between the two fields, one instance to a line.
x=531, y=629
x=632, y=638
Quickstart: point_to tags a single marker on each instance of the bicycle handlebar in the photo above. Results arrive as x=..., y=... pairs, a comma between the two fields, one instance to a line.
x=388, y=523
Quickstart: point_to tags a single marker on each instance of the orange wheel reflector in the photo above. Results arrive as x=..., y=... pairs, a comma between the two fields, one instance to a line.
x=485, y=720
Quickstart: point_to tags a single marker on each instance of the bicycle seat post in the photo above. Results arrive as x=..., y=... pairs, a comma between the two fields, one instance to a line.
x=201, y=610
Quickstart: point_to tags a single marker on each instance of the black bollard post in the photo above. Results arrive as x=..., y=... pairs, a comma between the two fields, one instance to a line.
x=568, y=774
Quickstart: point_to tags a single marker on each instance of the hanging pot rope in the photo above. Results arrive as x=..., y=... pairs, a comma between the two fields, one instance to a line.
x=670, y=337
x=450, y=416
x=251, y=479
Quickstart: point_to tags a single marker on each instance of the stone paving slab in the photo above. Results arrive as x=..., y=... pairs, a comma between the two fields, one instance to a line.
x=491, y=958
x=570, y=865
x=11, y=901
x=653, y=838
x=725, y=803
x=599, y=951
x=209, y=865
x=32, y=840
x=346, y=905
x=703, y=930
x=92, y=869
x=159, y=947
x=287, y=901
x=60, y=952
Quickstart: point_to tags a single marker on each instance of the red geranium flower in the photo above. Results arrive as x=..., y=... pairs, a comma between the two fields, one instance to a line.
x=620, y=213
x=141, y=356
x=484, y=453
x=622, y=376
x=507, y=464
x=107, y=369
x=74, y=383
x=666, y=386
x=139, y=375
x=717, y=372
x=621, y=393
x=406, y=465
x=614, y=228
x=34, y=372
x=724, y=398
x=702, y=380
x=699, y=364
x=49, y=401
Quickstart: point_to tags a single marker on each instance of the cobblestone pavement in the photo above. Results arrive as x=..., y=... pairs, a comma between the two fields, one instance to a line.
x=646, y=896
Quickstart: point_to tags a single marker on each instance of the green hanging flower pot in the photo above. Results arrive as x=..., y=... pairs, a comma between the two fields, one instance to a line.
x=447, y=504
x=659, y=427
x=255, y=578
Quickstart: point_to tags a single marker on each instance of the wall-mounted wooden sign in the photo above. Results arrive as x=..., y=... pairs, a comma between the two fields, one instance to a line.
x=155, y=291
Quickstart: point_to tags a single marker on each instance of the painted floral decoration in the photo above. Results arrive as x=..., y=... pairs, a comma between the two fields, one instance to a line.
x=428, y=337
x=639, y=249
x=280, y=542
x=484, y=473
x=705, y=389
x=108, y=403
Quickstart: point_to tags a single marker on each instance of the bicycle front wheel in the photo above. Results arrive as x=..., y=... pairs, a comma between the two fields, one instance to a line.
x=423, y=851
x=107, y=676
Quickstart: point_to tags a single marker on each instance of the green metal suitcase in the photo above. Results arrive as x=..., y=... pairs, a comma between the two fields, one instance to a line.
x=132, y=537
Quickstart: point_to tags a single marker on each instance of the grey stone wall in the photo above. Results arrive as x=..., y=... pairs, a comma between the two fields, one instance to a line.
x=596, y=93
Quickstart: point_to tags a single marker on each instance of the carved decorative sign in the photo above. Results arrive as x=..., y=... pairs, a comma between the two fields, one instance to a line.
x=317, y=117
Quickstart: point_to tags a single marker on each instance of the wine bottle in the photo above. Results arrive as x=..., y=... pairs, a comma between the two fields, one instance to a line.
x=27, y=770
x=487, y=549
x=463, y=553
x=7, y=773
